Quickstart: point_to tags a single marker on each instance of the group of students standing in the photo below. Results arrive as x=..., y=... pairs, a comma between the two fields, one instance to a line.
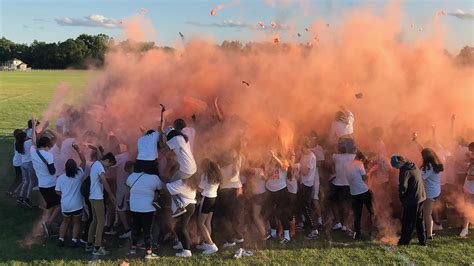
x=279, y=190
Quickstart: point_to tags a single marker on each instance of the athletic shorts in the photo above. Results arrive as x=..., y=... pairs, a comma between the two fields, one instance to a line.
x=259, y=199
x=148, y=167
x=340, y=193
x=74, y=213
x=208, y=205
x=50, y=197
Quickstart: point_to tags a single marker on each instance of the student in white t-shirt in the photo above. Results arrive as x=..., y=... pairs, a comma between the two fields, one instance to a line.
x=308, y=173
x=15, y=185
x=431, y=171
x=342, y=126
x=147, y=153
x=229, y=197
x=339, y=194
x=68, y=186
x=468, y=193
x=276, y=171
x=361, y=195
x=22, y=147
x=209, y=185
x=96, y=197
x=179, y=144
x=187, y=193
x=259, y=193
x=318, y=151
x=142, y=193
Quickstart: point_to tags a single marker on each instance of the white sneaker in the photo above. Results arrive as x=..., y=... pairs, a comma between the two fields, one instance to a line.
x=151, y=256
x=228, y=245
x=126, y=235
x=184, y=254
x=464, y=232
x=239, y=240
x=313, y=235
x=178, y=246
x=437, y=227
x=100, y=252
x=337, y=226
x=210, y=249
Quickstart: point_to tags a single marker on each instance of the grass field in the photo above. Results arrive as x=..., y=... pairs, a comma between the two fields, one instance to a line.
x=24, y=94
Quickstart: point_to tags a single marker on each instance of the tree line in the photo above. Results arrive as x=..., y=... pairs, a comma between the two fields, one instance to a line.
x=89, y=50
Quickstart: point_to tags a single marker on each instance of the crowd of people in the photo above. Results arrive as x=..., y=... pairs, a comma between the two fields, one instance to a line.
x=158, y=190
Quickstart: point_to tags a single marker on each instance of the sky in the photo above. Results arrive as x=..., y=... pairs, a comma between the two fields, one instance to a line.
x=57, y=20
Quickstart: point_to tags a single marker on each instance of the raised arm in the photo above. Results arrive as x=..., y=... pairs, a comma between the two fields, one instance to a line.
x=81, y=156
x=218, y=112
x=162, y=118
x=415, y=140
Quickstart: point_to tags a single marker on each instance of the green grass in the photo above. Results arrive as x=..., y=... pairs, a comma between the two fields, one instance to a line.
x=24, y=94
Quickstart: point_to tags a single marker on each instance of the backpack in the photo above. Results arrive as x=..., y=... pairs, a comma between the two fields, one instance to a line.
x=86, y=187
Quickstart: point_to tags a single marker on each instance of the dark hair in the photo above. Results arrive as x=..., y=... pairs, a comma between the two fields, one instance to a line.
x=471, y=146
x=44, y=142
x=430, y=159
x=212, y=171
x=110, y=157
x=30, y=123
x=16, y=131
x=150, y=131
x=71, y=168
x=179, y=124
x=20, y=139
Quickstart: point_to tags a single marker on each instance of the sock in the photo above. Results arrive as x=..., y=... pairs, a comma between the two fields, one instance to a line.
x=320, y=220
x=74, y=240
x=273, y=232
x=61, y=239
x=286, y=234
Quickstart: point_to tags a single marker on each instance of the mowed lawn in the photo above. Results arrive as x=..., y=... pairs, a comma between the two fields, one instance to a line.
x=24, y=94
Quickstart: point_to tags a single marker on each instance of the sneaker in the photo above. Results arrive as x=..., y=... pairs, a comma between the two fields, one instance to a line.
x=201, y=246
x=238, y=240
x=109, y=231
x=89, y=247
x=238, y=253
x=356, y=236
x=184, y=254
x=45, y=228
x=437, y=227
x=299, y=226
x=313, y=235
x=100, y=252
x=337, y=226
x=284, y=242
x=464, y=232
x=151, y=256
x=268, y=236
x=27, y=203
x=430, y=237
x=133, y=251
x=82, y=241
x=156, y=205
x=126, y=235
x=60, y=243
x=178, y=246
x=228, y=245
x=74, y=244
x=210, y=249
x=178, y=212
x=19, y=201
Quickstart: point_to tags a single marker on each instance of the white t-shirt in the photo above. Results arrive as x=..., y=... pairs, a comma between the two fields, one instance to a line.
x=16, y=157
x=229, y=178
x=208, y=190
x=184, y=155
x=292, y=185
x=432, y=182
x=354, y=172
x=142, y=191
x=257, y=182
x=191, y=134
x=339, y=129
x=70, y=188
x=186, y=194
x=97, y=188
x=45, y=179
x=277, y=180
x=340, y=160
x=309, y=161
x=147, y=147
x=26, y=157
x=469, y=184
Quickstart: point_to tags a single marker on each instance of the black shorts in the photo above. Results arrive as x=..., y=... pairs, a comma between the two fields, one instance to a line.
x=340, y=193
x=50, y=197
x=208, y=205
x=147, y=167
x=259, y=199
x=74, y=213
